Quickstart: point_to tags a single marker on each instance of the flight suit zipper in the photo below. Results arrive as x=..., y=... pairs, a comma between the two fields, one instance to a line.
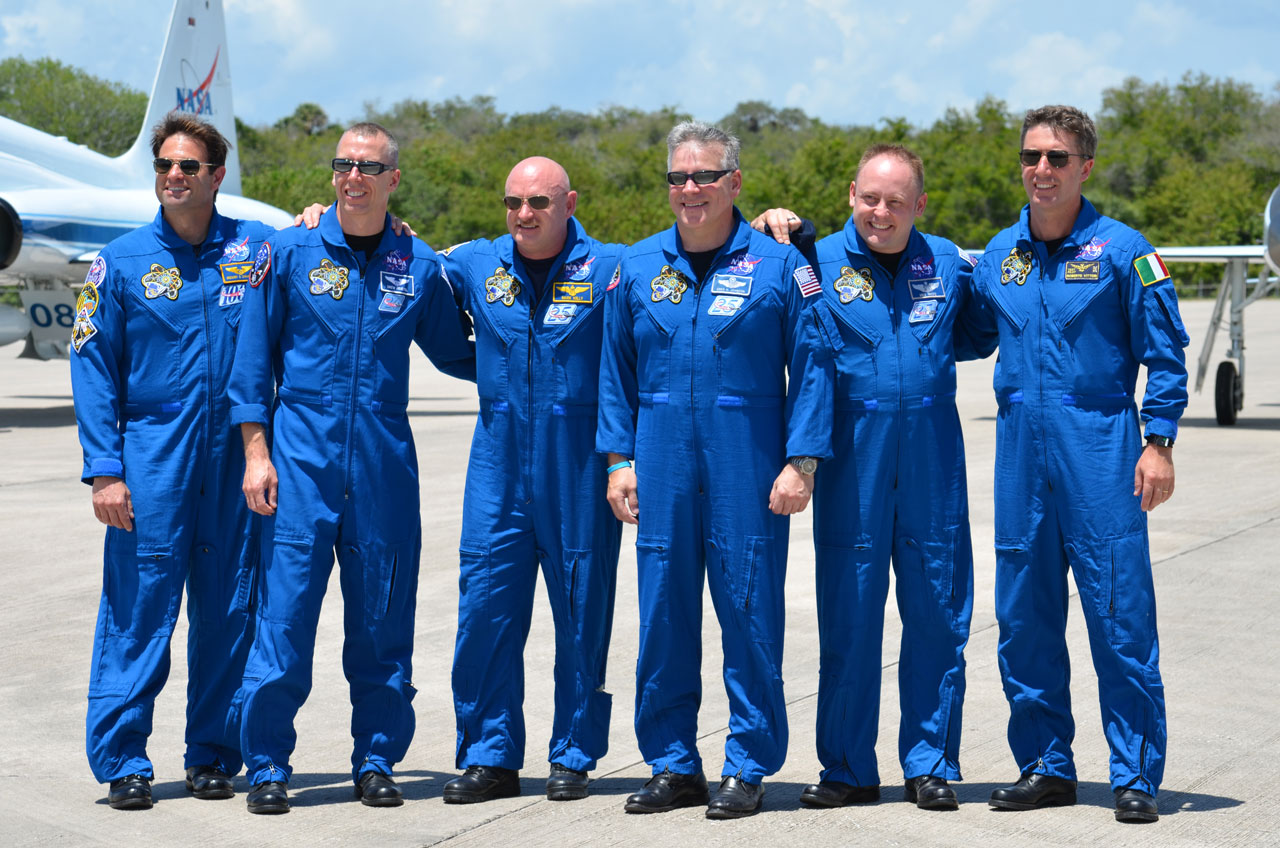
x=357, y=340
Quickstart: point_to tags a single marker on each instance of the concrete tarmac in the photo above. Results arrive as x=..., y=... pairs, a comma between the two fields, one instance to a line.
x=1214, y=546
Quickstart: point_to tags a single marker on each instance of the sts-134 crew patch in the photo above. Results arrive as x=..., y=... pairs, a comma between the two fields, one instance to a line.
x=670, y=284
x=852, y=284
x=329, y=279
x=1015, y=267
x=501, y=286
x=159, y=282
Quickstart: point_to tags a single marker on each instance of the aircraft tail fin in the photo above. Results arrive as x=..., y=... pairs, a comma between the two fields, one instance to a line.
x=194, y=77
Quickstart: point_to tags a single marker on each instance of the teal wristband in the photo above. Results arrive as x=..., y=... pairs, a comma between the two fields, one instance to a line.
x=626, y=463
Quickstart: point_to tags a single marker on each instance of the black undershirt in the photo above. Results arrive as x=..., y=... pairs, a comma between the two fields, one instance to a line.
x=889, y=261
x=364, y=244
x=537, y=270
x=701, y=263
x=1051, y=247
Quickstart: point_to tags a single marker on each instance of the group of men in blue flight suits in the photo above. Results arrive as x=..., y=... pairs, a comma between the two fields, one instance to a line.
x=708, y=373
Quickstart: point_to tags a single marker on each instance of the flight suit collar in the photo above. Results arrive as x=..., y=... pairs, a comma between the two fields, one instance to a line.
x=1082, y=231
x=673, y=247
x=856, y=245
x=220, y=229
x=331, y=232
x=573, y=250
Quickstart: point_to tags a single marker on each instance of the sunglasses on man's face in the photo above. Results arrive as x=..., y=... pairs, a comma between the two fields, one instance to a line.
x=369, y=168
x=190, y=167
x=679, y=178
x=1057, y=158
x=538, y=202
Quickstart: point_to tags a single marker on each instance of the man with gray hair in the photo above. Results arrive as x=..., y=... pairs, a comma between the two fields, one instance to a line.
x=710, y=384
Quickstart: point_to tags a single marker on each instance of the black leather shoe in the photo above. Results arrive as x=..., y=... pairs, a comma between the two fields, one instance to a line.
x=131, y=792
x=735, y=798
x=566, y=784
x=209, y=783
x=930, y=792
x=668, y=791
x=268, y=798
x=833, y=793
x=482, y=783
x=1033, y=791
x=1134, y=805
x=376, y=789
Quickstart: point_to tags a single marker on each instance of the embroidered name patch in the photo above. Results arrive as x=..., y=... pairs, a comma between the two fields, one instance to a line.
x=931, y=287
x=1078, y=271
x=571, y=292
x=396, y=284
x=731, y=284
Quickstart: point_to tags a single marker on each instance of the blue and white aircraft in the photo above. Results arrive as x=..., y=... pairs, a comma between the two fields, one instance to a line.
x=60, y=202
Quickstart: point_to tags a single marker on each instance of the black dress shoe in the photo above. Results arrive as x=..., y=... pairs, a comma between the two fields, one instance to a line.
x=735, y=798
x=268, y=798
x=209, y=783
x=376, y=789
x=930, y=792
x=1033, y=791
x=482, y=783
x=566, y=784
x=668, y=791
x=833, y=793
x=131, y=792
x=1134, y=805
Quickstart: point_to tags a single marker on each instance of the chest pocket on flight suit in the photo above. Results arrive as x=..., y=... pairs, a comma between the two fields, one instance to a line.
x=493, y=357
x=576, y=348
x=653, y=356
x=157, y=349
x=1012, y=367
x=310, y=365
x=749, y=370
x=856, y=368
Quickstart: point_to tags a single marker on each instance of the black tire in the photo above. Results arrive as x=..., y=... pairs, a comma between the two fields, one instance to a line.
x=1226, y=393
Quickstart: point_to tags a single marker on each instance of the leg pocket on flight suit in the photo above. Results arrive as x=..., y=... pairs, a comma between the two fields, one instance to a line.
x=1128, y=589
x=473, y=583
x=933, y=565
x=1015, y=584
x=757, y=592
x=383, y=567
x=248, y=575
x=653, y=565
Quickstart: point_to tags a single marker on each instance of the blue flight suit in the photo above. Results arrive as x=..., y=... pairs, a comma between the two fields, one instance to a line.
x=324, y=347
x=1072, y=330
x=154, y=339
x=535, y=496
x=694, y=386
x=894, y=490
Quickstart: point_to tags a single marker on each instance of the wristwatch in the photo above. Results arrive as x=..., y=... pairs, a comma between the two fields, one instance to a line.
x=1160, y=441
x=804, y=464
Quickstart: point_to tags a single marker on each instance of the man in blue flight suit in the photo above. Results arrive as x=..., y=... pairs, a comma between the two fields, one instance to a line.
x=323, y=355
x=534, y=487
x=706, y=327
x=1077, y=301
x=895, y=490
x=154, y=337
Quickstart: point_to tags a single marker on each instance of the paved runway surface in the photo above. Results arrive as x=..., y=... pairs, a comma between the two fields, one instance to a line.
x=1217, y=579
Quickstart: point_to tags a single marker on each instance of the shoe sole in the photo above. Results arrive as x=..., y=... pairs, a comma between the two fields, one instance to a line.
x=212, y=794
x=1051, y=801
x=471, y=798
x=382, y=802
x=681, y=804
x=269, y=809
x=131, y=804
x=936, y=804
x=723, y=813
x=1136, y=817
x=567, y=794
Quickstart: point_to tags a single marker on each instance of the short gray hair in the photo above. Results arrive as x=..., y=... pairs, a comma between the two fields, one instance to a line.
x=703, y=135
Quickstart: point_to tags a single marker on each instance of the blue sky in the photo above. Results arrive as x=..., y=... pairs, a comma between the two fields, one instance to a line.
x=844, y=62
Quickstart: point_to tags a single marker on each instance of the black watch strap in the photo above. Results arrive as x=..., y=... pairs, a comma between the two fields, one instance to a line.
x=1160, y=441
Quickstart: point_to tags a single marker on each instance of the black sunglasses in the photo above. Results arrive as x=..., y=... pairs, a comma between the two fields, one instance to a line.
x=538, y=201
x=1057, y=158
x=368, y=168
x=679, y=178
x=190, y=167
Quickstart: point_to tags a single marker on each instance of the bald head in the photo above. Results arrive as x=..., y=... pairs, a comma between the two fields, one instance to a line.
x=539, y=233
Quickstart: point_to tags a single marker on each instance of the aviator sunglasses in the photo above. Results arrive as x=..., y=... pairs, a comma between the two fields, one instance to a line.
x=679, y=178
x=1057, y=158
x=369, y=168
x=190, y=167
x=537, y=202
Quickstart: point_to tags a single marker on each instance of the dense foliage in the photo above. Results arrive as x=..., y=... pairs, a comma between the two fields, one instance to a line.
x=1187, y=163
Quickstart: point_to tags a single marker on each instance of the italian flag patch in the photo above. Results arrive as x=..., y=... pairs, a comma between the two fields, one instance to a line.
x=1150, y=269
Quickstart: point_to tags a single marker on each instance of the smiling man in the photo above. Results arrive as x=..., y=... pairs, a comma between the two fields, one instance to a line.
x=323, y=361
x=1077, y=302
x=895, y=492
x=709, y=384
x=534, y=483
x=152, y=348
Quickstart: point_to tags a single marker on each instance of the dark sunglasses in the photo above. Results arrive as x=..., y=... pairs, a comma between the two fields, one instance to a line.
x=190, y=167
x=1057, y=158
x=538, y=202
x=679, y=178
x=368, y=168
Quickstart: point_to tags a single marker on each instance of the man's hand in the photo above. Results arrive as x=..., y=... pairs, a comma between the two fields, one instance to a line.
x=621, y=492
x=260, y=481
x=112, y=503
x=791, y=491
x=310, y=216
x=1153, y=476
x=781, y=223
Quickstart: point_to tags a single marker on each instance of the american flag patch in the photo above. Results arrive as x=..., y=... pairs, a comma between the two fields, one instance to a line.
x=807, y=281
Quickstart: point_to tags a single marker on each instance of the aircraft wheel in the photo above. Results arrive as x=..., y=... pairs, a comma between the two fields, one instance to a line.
x=1227, y=398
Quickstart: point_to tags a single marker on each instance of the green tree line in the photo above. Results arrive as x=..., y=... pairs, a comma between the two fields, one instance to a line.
x=1191, y=162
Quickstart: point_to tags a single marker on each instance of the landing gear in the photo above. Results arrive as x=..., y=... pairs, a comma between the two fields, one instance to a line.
x=1228, y=393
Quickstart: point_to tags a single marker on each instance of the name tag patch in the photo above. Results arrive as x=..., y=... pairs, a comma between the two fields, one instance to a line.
x=1078, y=271
x=560, y=313
x=571, y=292
x=235, y=272
x=396, y=284
x=391, y=302
x=731, y=284
x=922, y=311
x=725, y=305
x=931, y=287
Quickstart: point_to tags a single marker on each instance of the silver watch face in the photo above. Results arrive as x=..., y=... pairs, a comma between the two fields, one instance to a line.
x=805, y=464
